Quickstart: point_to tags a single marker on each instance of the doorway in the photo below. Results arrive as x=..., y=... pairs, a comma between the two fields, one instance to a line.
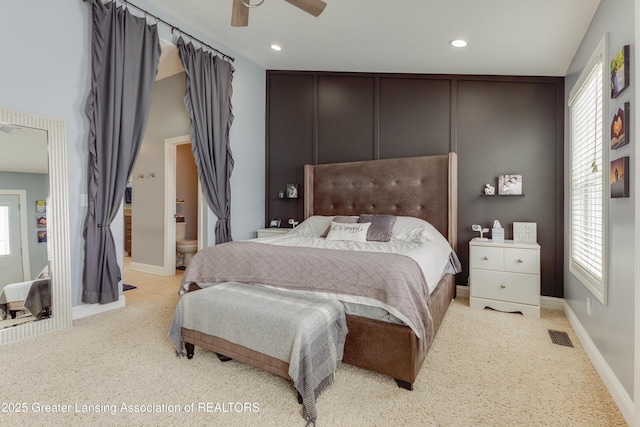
x=177, y=205
x=14, y=242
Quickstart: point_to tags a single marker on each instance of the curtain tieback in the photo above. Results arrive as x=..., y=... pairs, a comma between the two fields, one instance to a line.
x=103, y=225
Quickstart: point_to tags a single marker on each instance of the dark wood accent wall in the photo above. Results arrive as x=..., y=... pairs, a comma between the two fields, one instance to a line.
x=496, y=125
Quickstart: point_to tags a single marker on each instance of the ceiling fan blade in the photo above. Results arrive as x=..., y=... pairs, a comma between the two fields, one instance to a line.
x=314, y=7
x=239, y=14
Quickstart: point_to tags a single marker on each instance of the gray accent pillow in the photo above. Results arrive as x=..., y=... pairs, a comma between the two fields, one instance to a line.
x=381, y=226
x=341, y=219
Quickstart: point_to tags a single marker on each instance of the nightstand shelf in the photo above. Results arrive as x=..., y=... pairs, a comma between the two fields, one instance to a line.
x=505, y=276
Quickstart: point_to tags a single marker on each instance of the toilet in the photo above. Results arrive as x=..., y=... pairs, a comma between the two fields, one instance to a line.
x=185, y=248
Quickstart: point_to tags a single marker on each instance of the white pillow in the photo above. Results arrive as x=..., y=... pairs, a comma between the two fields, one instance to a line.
x=410, y=228
x=351, y=232
x=311, y=227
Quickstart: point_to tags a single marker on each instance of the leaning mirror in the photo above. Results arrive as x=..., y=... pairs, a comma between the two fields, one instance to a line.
x=35, y=287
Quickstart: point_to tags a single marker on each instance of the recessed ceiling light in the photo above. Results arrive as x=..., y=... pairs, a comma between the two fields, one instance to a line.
x=276, y=47
x=458, y=43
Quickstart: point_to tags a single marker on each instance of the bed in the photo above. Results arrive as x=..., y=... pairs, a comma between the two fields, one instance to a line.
x=418, y=187
x=33, y=297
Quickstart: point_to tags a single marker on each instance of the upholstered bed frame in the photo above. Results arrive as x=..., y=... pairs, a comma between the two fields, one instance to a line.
x=423, y=187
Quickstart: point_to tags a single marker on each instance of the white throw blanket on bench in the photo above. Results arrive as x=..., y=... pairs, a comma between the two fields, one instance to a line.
x=306, y=331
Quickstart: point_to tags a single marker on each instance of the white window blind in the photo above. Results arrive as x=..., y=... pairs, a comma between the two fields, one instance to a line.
x=588, y=198
x=5, y=243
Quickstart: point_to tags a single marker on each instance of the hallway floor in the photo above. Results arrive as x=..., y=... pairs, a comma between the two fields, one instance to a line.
x=148, y=285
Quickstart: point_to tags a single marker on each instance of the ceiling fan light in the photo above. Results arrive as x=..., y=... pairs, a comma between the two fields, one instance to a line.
x=248, y=3
x=458, y=43
x=276, y=47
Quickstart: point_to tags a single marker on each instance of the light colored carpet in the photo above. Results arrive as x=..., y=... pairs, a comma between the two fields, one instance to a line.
x=485, y=368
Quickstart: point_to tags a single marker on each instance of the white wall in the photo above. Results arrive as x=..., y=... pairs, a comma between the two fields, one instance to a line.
x=46, y=71
x=46, y=67
x=611, y=326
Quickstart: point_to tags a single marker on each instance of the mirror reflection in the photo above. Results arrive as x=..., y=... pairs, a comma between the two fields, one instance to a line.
x=25, y=283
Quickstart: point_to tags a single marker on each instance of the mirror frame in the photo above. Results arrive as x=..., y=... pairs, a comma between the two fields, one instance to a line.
x=57, y=226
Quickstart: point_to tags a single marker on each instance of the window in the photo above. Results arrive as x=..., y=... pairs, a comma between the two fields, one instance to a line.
x=589, y=171
x=5, y=243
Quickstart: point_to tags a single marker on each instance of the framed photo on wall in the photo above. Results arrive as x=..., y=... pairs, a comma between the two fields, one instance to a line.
x=292, y=191
x=510, y=184
x=620, y=127
x=619, y=177
x=620, y=72
x=41, y=206
x=41, y=221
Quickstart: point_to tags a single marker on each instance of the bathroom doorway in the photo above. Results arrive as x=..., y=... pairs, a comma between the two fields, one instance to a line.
x=183, y=199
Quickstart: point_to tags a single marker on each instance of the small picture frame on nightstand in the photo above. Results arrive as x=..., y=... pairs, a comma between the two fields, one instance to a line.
x=525, y=232
x=274, y=223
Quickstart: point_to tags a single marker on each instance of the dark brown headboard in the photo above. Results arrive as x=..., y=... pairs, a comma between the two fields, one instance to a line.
x=423, y=187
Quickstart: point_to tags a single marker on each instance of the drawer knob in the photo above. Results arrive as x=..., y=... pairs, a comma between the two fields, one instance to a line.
x=503, y=286
x=486, y=258
x=520, y=260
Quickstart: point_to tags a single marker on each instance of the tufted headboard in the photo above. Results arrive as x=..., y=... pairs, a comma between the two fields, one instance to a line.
x=423, y=187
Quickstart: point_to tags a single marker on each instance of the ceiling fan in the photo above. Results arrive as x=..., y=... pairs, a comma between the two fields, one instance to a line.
x=240, y=11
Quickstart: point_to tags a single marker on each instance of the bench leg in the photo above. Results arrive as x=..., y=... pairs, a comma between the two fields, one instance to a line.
x=404, y=384
x=190, y=349
x=223, y=358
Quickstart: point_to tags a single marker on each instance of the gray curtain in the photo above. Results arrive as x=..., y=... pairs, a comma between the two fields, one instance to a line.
x=208, y=101
x=125, y=55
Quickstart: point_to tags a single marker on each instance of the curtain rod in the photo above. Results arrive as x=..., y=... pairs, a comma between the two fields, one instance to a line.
x=173, y=28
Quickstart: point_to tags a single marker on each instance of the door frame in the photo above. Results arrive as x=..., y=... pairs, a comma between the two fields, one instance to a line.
x=24, y=231
x=170, y=155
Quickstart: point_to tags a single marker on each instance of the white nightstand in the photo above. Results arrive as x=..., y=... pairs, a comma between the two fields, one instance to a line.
x=505, y=276
x=270, y=232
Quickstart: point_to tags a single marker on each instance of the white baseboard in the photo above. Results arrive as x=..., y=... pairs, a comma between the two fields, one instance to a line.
x=80, y=311
x=552, y=303
x=158, y=270
x=617, y=391
x=462, y=291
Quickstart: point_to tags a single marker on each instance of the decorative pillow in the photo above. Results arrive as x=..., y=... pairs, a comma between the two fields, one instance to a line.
x=381, y=226
x=341, y=219
x=353, y=232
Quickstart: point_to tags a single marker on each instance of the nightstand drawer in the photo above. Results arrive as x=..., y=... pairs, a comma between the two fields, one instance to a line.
x=522, y=260
x=503, y=286
x=486, y=258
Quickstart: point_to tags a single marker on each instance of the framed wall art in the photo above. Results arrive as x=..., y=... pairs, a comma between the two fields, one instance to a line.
x=620, y=72
x=619, y=177
x=41, y=206
x=292, y=191
x=510, y=184
x=620, y=134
